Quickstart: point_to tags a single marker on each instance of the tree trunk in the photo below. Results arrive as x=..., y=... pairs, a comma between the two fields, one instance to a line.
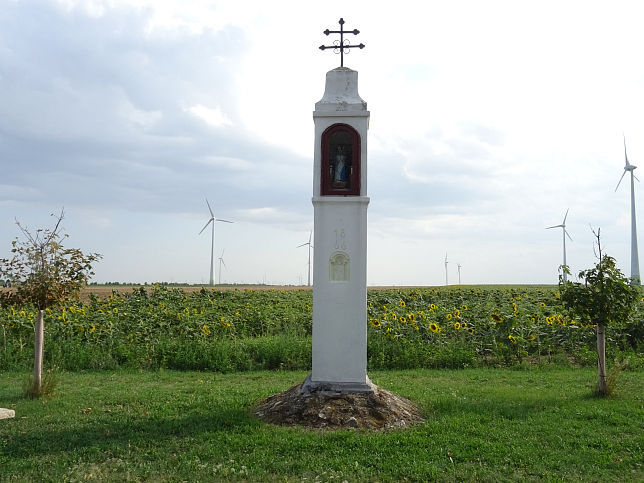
x=38, y=350
x=601, y=360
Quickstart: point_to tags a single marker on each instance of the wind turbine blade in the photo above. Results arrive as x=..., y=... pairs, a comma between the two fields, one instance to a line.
x=555, y=226
x=635, y=176
x=564, y=222
x=310, y=235
x=620, y=180
x=566, y=232
x=301, y=245
x=625, y=155
x=222, y=253
x=225, y=221
x=206, y=225
x=210, y=209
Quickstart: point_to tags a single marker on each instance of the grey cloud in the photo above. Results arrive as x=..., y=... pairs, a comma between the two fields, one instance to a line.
x=438, y=172
x=96, y=115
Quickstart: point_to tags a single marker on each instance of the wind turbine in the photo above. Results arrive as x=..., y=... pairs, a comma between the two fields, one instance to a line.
x=459, y=273
x=221, y=262
x=310, y=246
x=446, y=262
x=564, y=234
x=212, y=242
x=635, y=263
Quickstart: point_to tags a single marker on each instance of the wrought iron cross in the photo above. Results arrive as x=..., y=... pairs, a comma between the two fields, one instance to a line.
x=341, y=45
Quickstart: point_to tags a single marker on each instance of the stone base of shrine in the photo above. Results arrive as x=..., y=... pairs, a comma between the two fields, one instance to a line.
x=331, y=388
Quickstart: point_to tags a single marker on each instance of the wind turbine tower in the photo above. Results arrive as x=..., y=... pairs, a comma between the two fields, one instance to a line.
x=635, y=263
x=221, y=262
x=309, y=264
x=446, y=262
x=212, y=241
x=459, y=273
x=564, y=235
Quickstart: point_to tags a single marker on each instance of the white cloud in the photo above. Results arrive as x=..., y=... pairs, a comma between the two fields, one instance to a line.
x=261, y=213
x=145, y=119
x=214, y=117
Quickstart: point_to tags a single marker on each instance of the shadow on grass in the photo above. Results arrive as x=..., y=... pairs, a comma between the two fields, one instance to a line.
x=103, y=434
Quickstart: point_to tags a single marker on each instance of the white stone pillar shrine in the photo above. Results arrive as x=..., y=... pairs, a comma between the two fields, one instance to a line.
x=338, y=391
x=340, y=206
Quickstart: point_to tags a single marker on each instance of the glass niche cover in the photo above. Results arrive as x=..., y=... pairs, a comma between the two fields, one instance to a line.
x=340, y=161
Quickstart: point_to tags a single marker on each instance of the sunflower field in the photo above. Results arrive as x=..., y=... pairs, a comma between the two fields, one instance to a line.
x=237, y=330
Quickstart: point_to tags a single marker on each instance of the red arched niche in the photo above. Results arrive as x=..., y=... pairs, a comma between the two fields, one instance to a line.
x=340, y=161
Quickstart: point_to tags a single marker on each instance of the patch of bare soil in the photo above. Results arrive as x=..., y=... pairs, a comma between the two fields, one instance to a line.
x=104, y=291
x=375, y=410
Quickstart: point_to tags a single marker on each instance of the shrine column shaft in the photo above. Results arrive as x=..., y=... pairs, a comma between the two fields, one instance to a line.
x=340, y=204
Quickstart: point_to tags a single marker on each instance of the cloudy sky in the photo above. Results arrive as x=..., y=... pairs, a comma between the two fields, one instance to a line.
x=488, y=121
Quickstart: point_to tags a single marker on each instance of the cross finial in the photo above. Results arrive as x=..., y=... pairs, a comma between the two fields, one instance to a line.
x=339, y=46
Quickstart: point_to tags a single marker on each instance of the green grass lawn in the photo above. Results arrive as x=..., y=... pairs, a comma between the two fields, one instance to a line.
x=481, y=424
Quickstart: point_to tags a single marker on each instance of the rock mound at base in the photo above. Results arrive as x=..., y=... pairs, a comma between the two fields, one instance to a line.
x=376, y=410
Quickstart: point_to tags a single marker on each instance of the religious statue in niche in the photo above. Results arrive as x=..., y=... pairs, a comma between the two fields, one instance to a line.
x=340, y=169
x=340, y=161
